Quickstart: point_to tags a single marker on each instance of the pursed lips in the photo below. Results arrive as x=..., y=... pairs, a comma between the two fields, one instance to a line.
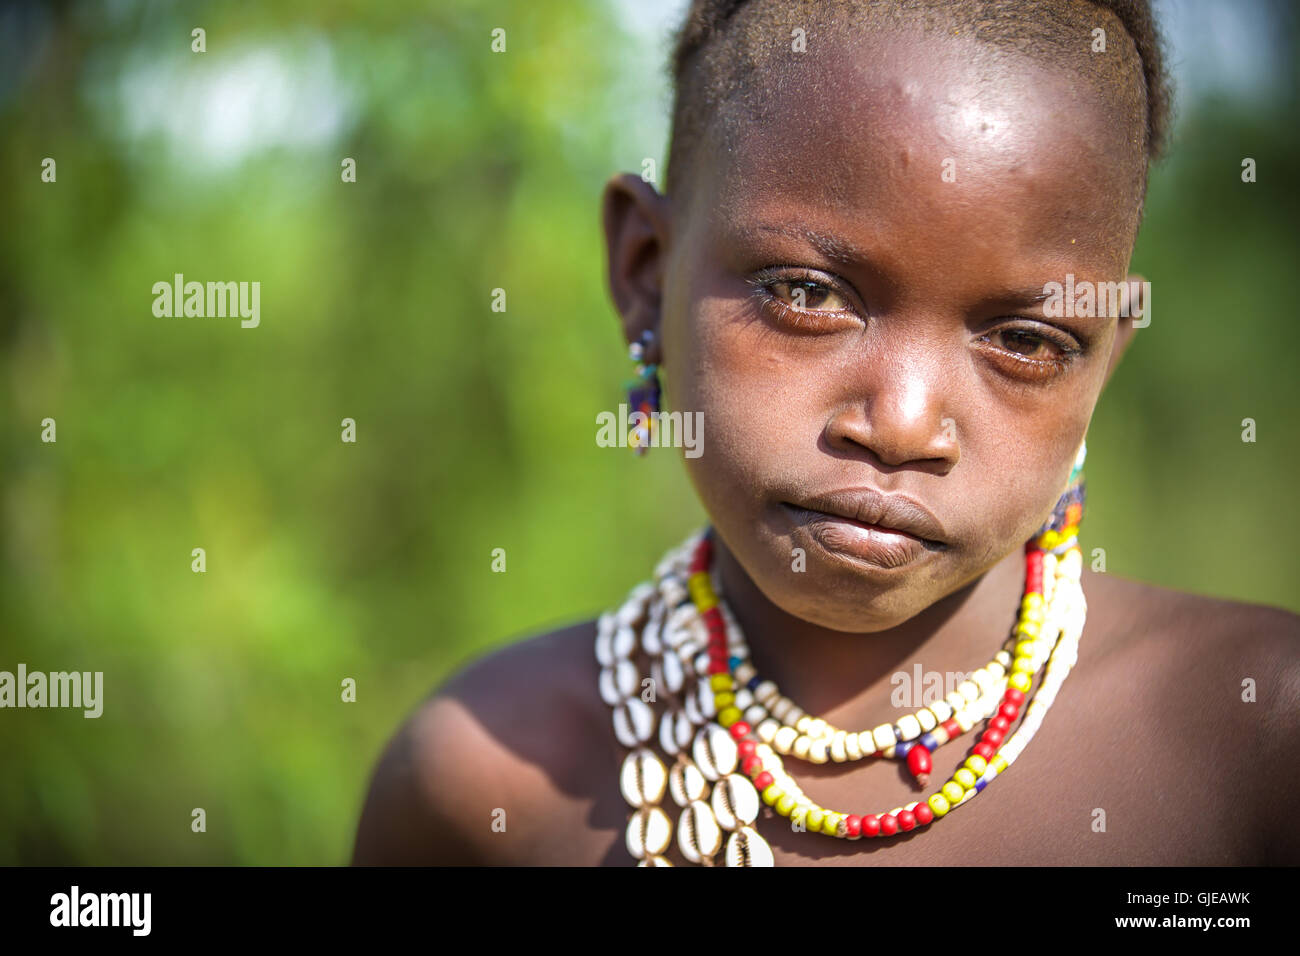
x=873, y=510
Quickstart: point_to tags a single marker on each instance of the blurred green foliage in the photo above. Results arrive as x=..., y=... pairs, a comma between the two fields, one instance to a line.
x=475, y=429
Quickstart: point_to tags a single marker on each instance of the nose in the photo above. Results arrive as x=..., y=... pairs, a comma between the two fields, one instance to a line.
x=898, y=414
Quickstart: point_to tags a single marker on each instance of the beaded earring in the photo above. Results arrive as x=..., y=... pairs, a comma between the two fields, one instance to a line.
x=642, y=394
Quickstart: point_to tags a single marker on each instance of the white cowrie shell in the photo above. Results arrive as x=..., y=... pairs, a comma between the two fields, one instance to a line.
x=672, y=673
x=605, y=647
x=624, y=642
x=698, y=835
x=625, y=677
x=684, y=729
x=650, y=638
x=617, y=682
x=734, y=802
x=681, y=616
x=686, y=783
x=714, y=751
x=693, y=712
x=673, y=591
x=704, y=697
x=609, y=687
x=649, y=831
x=631, y=612
x=654, y=861
x=634, y=722
x=668, y=733
x=657, y=674
x=685, y=615
x=689, y=649
x=746, y=847
x=687, y=636
x=674, y=636
x=643, y=778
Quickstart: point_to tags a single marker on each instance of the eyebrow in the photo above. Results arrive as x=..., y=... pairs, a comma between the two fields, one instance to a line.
x=831, y=247
x=840, y=250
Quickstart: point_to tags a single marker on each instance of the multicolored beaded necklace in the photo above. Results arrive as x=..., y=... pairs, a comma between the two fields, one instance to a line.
x=725, y=729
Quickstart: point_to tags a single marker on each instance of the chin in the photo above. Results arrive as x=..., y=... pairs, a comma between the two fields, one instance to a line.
x=851, y=614
x=843, y=594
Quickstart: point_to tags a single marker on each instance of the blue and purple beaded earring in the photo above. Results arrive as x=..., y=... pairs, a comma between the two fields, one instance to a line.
x=642, y=394
x=1060, y=531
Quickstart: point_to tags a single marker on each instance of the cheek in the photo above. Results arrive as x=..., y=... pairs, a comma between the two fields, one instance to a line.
x=1011, y=498
x=1019, y=468
x=755, y=401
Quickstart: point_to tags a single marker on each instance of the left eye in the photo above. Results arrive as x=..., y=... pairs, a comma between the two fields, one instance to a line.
x=1026, y=344
x=1037, y=356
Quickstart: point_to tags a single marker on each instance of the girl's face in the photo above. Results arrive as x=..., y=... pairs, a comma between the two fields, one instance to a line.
x=853, y=301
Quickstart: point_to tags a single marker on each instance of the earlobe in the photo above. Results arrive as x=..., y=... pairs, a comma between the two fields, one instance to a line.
x=636, y=224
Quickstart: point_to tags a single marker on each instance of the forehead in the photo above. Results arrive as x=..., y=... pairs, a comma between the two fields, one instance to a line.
x=905, y=132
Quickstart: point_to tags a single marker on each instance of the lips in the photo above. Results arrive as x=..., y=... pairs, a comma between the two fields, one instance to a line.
x=896, y=513
x=887, y=531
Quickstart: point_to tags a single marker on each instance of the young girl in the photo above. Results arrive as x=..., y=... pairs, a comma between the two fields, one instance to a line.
x=849, y=280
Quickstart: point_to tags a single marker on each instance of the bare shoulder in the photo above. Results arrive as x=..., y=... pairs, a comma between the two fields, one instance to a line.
x=499, y=765
x=1215, y=684
x=1221, y=639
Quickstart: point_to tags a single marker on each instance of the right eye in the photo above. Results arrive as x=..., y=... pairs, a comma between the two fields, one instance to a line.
x=802, y=302
x=805, y=294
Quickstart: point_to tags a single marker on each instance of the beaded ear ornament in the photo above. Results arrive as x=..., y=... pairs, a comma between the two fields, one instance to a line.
x=642, y=395
x=724, y=729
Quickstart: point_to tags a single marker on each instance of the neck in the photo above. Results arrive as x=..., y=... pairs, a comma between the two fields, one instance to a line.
x=846, y=677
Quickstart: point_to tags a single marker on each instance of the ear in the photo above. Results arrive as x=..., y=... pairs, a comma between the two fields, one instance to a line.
x=637, y=224
x=1125, y=329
